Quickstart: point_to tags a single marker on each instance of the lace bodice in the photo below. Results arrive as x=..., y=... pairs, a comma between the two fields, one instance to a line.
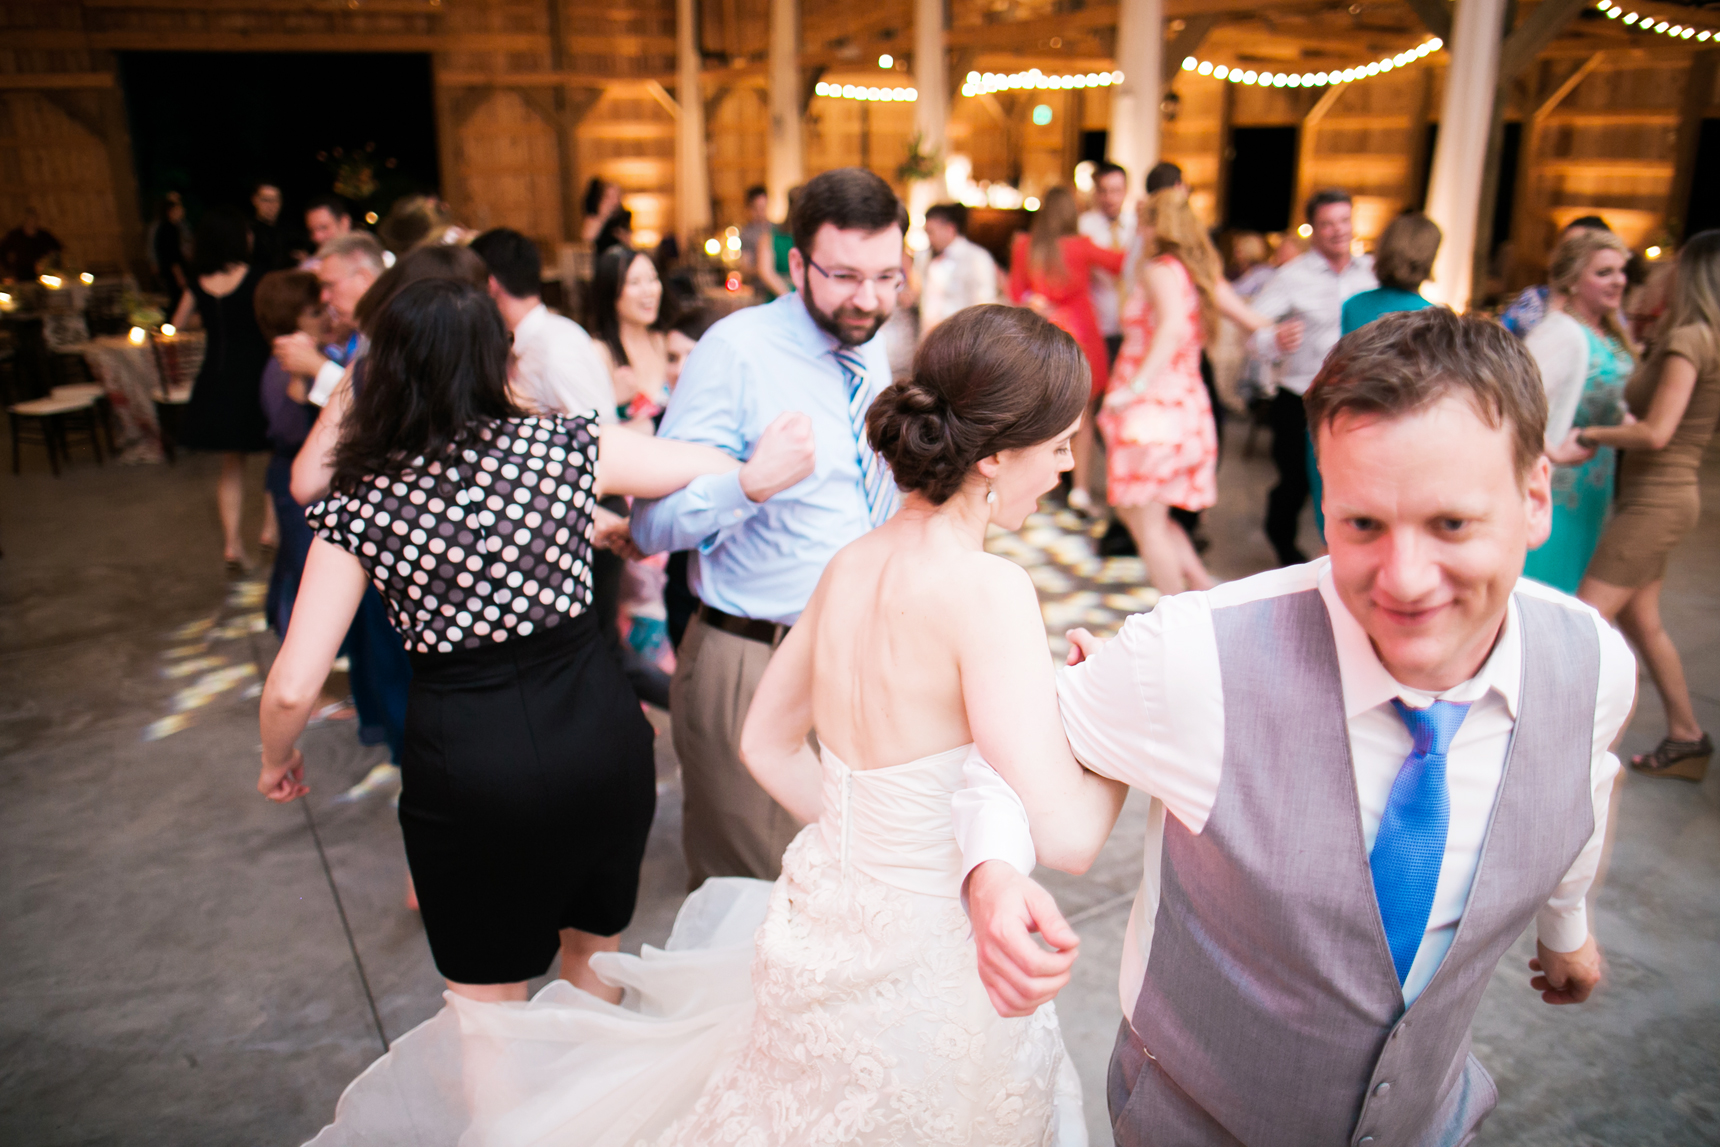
x=872, y=1026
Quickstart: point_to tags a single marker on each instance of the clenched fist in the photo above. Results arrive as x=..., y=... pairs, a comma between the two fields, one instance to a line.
x=298, y=353
x=784, y=455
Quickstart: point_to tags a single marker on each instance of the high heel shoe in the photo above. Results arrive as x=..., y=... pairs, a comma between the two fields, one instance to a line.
x=1683, y=760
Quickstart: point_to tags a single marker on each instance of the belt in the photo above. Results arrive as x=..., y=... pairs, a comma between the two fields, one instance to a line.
x=768, y=632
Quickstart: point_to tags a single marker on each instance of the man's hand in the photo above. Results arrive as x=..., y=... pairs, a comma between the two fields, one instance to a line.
x=298, y=354
x=1288, y=335
x=1006, y=908
x=785, y=454
x=612, y=532
x=1567, y=977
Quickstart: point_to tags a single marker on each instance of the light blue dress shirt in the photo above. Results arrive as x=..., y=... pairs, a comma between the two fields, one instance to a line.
x=753, y=559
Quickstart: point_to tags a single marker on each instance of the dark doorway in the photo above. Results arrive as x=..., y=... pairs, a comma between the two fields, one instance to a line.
x=1703, y=210
x=1093, y=144
x=208, y=124
x=1262, y=178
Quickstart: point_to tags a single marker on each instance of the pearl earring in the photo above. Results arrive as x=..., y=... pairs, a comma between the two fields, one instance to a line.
x=990, y=494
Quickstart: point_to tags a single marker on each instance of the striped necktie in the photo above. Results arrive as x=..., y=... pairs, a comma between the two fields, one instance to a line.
x=876, y=481
x=1410, y=845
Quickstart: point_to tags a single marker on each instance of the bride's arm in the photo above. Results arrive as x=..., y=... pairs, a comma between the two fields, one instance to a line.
x=773, y=737
x=1010, y=689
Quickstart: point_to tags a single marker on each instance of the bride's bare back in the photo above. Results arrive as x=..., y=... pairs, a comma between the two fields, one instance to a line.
x=889, y=624
x=916, y=640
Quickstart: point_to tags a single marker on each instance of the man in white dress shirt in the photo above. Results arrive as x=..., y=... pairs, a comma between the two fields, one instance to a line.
x=1108, y=226
x=953, y=271
x=554, y=368
x=1311, y=287
x=1347, y=830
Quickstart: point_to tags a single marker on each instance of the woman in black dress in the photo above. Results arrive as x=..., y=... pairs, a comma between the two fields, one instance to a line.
x=226, y=412
x=528, y=783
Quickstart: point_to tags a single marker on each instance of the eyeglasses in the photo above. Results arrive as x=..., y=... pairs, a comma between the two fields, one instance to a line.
x=850, y=282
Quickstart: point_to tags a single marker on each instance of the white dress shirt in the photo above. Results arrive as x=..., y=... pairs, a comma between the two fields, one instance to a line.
x=1309, y=289
x=556, y=368
x=962, y=275
x=1561, y=350
x=1149, y=710
x=1107, y=290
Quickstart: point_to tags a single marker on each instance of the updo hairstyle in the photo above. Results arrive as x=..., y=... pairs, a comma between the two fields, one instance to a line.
x=987, y=379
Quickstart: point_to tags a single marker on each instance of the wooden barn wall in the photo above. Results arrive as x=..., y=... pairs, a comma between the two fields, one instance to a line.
x=507, y=169
x=628, y=138
x=533, y=97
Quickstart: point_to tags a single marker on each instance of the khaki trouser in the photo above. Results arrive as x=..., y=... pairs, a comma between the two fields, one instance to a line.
x=729, y=825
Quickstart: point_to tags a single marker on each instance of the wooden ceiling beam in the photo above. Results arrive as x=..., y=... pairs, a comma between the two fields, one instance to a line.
x=1435, y=16
x=1528, y=39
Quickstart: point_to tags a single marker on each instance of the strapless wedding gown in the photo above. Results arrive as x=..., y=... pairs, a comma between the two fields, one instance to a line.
x=862, y=1021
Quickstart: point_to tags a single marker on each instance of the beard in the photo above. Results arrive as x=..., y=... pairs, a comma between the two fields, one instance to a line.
x=846, y=323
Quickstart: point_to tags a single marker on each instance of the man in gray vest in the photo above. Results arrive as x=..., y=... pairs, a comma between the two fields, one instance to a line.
x=1370, y=773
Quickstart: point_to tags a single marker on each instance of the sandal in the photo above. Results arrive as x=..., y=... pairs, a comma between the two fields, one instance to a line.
x=1685, y=760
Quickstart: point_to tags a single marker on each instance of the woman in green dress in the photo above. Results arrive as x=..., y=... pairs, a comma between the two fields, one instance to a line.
x=1585, y=358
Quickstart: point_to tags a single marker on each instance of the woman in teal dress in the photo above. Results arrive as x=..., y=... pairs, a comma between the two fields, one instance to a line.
x=1403, y=259
x=1585, y=359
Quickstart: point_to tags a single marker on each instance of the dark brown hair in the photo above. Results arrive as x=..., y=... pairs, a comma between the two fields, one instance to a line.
x=1403, y=257
x=1404, y=362
x=282, y=298
x=436, y=375
x=847, y=198
x=460, y=263
x=988, y=378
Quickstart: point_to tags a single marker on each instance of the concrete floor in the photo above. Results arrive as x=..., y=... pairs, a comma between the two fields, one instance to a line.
x=189, y=964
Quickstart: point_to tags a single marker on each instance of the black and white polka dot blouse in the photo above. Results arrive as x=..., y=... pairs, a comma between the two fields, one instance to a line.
x=492, y=545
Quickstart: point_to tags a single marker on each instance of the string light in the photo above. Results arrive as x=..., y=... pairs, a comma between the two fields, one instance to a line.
x=1650, y=24
x=1238, y=75
x=979, y=83
x=861, y=92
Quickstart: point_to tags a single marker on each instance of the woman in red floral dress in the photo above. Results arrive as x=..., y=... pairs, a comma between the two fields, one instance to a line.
x=1160, y=447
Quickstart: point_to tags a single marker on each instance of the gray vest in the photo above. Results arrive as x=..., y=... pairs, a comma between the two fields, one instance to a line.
x=1270, y=1012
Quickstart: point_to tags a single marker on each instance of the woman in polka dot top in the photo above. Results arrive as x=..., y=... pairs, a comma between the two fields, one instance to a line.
x=528, y=782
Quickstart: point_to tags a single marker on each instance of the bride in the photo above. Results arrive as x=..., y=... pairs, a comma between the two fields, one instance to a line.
x=863, y=1019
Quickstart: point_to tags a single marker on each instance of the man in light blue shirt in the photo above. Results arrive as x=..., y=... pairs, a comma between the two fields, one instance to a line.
x=761, y=536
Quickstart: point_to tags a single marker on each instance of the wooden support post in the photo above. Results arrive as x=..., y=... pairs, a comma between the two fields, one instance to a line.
x=784, y=165
x=1305, y=140
x=692, y=165
x=1526, y=42
x=1698, y=95
x=1454, y=193
x=931, y=76
x=1133, y=139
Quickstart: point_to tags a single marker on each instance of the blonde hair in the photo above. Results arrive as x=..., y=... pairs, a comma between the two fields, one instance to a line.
x=1057, y=218
x=1571, y=258
x=1403, y=257
x=1696, y=289
x=1179, y=233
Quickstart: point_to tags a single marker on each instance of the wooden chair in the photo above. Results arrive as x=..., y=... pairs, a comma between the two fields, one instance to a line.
x=47, y=420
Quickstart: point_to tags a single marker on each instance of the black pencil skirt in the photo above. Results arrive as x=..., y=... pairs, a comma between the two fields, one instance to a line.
x=527, y=794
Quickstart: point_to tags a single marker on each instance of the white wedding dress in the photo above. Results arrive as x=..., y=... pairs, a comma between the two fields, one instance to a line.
x=862, y=1019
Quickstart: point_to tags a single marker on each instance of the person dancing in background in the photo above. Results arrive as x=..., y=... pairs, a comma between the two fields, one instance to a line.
x=1161, y=446
x=225, y=413
x=1675, y=402
x=1051, y=269
x=1585, y=357
x=761, y=539
x=528, y=784
x=626, y=305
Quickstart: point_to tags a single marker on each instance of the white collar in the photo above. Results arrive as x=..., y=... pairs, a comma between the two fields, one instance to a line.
x=530, y=320
x=1367, y=684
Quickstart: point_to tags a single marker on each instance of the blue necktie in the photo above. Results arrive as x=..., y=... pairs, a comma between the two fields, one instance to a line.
x=1410, y=845
x=876, y=482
